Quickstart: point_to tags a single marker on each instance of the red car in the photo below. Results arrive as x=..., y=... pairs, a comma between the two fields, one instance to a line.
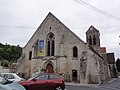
x=44, y=81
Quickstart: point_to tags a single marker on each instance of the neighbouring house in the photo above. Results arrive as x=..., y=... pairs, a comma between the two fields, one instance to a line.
x=105, y=61
x=4, y=69
x=112, y=66
x=54, y=48
x=109, y=60
x=13, y=67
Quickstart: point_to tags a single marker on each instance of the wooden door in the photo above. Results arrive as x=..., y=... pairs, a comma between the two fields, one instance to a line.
x=49, y=68
x=74, y=75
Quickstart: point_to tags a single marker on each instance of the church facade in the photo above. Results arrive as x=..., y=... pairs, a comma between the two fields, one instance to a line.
x=54, y=48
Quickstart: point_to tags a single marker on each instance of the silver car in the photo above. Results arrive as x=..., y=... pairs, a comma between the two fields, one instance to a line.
x=11, y=76
x=9, y=85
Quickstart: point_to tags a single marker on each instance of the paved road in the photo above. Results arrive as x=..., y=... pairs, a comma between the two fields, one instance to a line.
x=82, y=88
x=113, y=84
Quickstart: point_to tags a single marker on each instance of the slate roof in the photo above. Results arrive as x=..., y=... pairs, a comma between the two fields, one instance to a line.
x=92, y=29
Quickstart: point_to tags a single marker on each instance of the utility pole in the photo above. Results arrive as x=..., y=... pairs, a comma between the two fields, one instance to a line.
x=119, y=37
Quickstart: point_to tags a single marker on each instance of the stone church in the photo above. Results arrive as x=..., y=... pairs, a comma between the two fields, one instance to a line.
x=54, y=48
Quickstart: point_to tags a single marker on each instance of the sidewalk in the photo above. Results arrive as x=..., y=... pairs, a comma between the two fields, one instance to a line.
x=90, y=85
x=79, y=84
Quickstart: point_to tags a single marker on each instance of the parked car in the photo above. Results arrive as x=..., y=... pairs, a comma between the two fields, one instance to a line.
x=9, y=85
x=11, y=77
x=44, y=81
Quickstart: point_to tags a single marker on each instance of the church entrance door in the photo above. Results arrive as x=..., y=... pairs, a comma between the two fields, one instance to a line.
x=49, y=68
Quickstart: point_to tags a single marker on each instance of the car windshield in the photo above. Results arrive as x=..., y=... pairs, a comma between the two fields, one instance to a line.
x=32, y=77
x=4, y=81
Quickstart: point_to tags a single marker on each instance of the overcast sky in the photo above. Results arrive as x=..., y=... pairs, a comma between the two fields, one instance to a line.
x=19, y=19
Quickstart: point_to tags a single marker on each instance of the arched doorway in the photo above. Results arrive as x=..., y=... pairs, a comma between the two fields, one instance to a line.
x=74, y=75
x=49, y=68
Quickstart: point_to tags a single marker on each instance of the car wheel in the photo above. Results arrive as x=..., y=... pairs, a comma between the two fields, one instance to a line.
x=58, y=88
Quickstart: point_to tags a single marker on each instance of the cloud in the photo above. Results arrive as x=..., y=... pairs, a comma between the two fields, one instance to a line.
x=20, y=18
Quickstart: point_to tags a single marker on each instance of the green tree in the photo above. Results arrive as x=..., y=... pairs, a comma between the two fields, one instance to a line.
x=10, y=52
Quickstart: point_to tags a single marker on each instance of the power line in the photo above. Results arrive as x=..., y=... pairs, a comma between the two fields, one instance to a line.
x=97, y=10
x=32, y=27
x=15, y=26
x=84, y=27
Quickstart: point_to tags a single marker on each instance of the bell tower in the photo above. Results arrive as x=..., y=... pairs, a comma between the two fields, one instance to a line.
x=93, y=38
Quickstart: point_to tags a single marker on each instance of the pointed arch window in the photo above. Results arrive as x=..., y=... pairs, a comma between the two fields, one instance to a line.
x=63, y=39
x=90, y=40
x=75, y=51
x=94, y=40
x=50, y=44
x=30, y=55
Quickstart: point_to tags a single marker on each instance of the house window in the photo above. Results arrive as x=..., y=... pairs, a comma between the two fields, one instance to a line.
x=30, y=55
x=90, y=40
x=50, y=44
x=75, y=51
x=94, y=40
